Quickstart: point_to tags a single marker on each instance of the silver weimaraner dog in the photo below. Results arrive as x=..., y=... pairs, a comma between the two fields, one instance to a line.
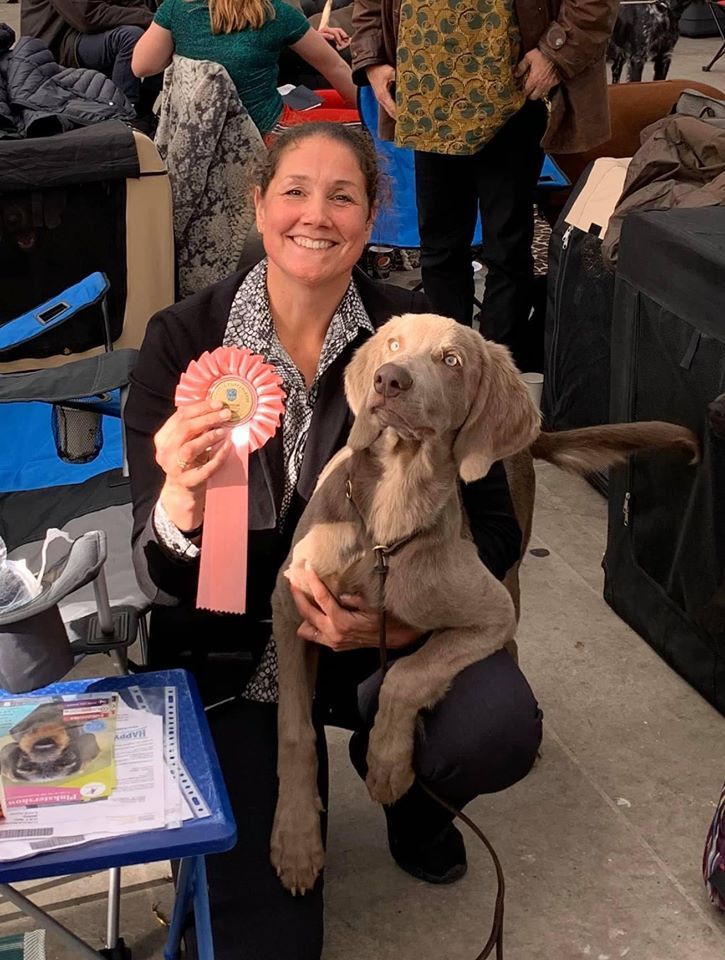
x=434, y=403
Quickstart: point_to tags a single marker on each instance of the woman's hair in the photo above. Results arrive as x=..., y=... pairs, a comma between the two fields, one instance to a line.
x=356, y=140
x=229, y=15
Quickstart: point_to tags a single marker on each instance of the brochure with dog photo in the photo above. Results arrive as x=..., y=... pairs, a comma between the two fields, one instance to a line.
x=57, y=750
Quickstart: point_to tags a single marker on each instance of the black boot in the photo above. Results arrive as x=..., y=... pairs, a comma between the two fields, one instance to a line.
x=421, y=835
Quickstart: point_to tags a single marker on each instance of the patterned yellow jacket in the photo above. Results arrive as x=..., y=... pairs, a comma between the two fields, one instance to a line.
x=573, y=34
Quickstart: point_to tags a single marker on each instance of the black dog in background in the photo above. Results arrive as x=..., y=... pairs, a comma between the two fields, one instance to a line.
x=645, y=31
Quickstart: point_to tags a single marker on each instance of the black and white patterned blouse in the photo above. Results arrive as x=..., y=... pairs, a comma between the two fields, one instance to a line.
x=250, y=325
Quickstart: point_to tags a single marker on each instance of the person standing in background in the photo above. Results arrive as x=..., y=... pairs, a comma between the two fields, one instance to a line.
x=479, y=89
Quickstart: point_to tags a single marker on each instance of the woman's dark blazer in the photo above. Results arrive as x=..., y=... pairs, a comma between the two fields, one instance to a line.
x=222, y=649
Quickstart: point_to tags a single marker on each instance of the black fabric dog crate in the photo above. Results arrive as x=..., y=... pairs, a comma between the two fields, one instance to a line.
x=580, y=293
x=665, y=555
x=92, y=199
x=578, y=318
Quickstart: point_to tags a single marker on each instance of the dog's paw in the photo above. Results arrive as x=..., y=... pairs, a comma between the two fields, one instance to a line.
x=390, y=770
x=296, y=849
x=296, y=573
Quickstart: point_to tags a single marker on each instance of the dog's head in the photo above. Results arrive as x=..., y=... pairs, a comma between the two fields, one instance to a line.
x=425, y=376
x=45, y=745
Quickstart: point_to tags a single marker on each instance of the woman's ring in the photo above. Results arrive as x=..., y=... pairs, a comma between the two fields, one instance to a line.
x=181, y=463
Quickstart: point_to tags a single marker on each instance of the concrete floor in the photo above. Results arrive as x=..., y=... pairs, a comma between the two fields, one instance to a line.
x=601, y=844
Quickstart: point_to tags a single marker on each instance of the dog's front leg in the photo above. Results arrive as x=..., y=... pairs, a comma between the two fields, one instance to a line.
x=416, y=683
x=296, y=846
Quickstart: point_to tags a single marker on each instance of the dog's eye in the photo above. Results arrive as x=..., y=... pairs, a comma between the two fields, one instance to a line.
x=452, y=360
x=394, y=345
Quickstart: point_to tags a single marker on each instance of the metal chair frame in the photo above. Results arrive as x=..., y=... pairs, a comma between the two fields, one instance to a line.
x=718, y=16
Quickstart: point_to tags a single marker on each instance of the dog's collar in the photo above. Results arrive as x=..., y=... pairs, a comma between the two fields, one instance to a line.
x=381, y=551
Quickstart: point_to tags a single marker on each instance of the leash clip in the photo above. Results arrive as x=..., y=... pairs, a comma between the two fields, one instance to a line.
x=348, y=488
x=381, y=558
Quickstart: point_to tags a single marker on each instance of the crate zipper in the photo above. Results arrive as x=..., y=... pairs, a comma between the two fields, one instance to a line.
x=557, y=304
x=634, y=343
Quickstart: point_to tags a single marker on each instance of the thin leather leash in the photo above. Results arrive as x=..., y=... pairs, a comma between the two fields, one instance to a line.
x=382, y=554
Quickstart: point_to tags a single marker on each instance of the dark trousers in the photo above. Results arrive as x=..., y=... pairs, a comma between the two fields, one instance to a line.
x=111, y=52
x=500, y=180
x=481, y=738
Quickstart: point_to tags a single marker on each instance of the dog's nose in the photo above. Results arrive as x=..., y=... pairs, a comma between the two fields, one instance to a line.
x=391, y=379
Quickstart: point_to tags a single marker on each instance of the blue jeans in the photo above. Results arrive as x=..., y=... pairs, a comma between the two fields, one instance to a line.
x=110, y=53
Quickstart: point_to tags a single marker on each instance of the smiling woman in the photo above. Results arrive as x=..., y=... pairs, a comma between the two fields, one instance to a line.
x=306, y=309
x=315, y=215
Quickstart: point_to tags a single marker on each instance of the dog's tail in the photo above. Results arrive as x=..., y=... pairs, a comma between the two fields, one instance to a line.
x=596, y=448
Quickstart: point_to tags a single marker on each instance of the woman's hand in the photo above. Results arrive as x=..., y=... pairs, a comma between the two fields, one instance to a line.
x=539, y=74
x=335, y=35
x=345, y=627
x=190, y=447
x=382, y=79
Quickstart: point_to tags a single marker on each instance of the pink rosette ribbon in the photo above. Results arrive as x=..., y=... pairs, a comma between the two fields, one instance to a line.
x=251, y=389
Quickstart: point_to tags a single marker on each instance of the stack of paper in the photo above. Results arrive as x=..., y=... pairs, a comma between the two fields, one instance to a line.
x=149, y=790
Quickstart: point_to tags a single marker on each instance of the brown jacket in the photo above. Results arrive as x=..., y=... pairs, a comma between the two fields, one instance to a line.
x=59, y=23
x=572, y=33
x=681, y=163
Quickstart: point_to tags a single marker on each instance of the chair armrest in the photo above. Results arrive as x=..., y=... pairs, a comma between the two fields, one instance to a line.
x=54, y=312
x=73, y=381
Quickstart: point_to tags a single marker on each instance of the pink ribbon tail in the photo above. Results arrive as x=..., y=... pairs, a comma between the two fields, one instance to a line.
x=223, y=571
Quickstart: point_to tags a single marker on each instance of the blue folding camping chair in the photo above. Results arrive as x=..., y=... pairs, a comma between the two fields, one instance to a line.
x=44, y=446
x=61, y=426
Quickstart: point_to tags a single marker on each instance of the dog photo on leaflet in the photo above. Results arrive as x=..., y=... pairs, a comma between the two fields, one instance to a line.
x=57, y=750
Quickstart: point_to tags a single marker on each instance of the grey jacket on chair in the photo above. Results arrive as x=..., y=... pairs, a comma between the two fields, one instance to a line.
x=211, y=147
x=34, y=646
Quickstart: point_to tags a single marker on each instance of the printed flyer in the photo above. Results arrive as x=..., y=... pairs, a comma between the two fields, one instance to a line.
x=56, y=750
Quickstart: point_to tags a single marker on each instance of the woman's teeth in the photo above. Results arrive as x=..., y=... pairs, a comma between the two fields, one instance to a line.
x=313, y=244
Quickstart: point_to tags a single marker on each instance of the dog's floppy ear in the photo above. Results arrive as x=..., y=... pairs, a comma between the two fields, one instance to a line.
x=502, y=419
x=358, y=382
x=45, y=713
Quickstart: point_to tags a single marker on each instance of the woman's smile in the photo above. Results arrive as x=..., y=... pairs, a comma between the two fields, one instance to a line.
x=315, y=216
x=310, y=243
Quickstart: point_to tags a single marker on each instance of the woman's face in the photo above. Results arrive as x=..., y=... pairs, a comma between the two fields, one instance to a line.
x=314, y=217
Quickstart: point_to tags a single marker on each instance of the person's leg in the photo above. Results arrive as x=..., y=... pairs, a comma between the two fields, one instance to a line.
x=111, y=52
x=481, y=738
x=507, y=171
x=252, y=915
x=445, y=188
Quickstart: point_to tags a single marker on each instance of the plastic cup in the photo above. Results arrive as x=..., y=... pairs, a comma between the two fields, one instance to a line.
x=535, y=385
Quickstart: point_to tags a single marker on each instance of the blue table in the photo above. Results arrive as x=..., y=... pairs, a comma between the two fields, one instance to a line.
x=188, y=843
